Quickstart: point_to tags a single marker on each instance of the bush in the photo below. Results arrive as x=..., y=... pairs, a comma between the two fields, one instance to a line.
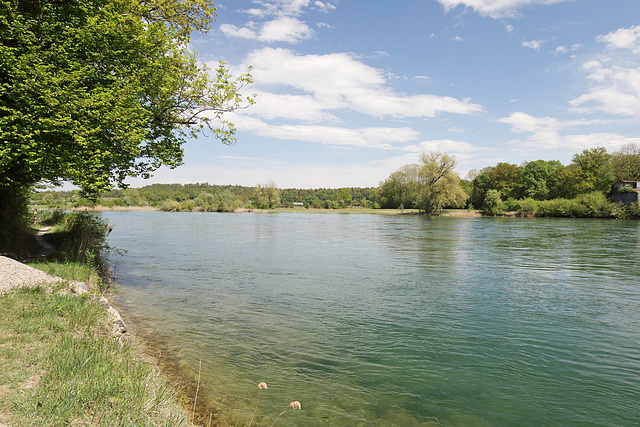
x=593, y=205
x=492, y=203
x=626, y=189
x=84, y=239
x=170, y=206
x=511, y=204
x=528, y=205
x=556, y=207
x=52, y=217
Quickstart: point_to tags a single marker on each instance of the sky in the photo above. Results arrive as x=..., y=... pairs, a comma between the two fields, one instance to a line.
x=348, y=91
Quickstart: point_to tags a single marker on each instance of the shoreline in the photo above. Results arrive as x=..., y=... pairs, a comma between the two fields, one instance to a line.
x=16, y=275
x=155, y=350
x=361, y=211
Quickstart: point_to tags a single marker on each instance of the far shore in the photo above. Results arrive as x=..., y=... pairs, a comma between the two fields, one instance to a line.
x=99, y=208
x=446, y=212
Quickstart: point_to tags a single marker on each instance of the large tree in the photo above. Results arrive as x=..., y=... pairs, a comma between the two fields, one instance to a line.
x=535, y=179
x=594, y=170
x=93, y=91
x=625, y=163
x=439, y=184
x=401, y=188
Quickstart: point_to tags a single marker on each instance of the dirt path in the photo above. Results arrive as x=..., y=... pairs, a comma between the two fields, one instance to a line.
x=47, y=248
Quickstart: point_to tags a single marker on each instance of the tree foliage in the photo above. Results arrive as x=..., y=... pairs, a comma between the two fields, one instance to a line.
x=93, y=91
x=595, y=170
x=439, y=185
x=625, y=163
x=429, y=186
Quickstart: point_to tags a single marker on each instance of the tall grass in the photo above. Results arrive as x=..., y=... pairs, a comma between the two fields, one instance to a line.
x=81, y=239
x=60, y=367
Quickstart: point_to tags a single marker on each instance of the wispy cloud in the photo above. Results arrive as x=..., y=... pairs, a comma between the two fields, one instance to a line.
x=339, y=81
x=494, y=8
x=549, y=133
x=385, y=138
x=533, y=44
x=614, y=76
x=283, y=29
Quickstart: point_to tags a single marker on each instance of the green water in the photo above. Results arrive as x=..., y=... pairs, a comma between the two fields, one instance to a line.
x=374, y=320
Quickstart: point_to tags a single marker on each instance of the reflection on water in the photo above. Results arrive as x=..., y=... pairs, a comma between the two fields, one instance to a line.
x=404, y=320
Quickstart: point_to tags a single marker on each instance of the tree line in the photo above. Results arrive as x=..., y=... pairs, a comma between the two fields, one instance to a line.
x=545, y=187
x=204, y=197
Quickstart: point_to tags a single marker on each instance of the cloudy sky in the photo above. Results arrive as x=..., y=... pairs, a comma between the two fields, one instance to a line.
x=350, y=90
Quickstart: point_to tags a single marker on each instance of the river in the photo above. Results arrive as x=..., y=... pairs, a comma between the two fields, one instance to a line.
x=373, y=320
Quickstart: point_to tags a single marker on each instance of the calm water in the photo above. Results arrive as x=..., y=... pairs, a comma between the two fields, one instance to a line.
x=375, y=320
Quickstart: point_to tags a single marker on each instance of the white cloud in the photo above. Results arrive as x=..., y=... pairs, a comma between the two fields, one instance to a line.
x=533, y=44
x=494, y=8
x=281, y=22
x=368, y=137
x=457, y=39
x=623, y=38
x=614, y=76
x=283, y=29
x=306, y=108
x=233, y=31
x=339, y=81
x=549, y=133
x=324, y=6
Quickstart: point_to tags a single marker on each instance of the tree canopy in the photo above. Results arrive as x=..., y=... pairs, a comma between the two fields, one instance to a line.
x=429, y=186
x=93, y=91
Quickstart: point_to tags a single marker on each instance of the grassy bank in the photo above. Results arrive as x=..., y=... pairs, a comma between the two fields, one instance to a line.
x=61, y=366
x=59, y=362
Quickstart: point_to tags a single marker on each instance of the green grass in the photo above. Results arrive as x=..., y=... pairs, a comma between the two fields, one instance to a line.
x=59, y=366
x=72, y=271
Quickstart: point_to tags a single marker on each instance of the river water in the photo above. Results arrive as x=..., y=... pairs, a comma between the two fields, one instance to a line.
x=372, y=320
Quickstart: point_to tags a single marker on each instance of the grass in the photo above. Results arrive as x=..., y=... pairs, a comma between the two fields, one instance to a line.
x=72, y=271
x=60, y=366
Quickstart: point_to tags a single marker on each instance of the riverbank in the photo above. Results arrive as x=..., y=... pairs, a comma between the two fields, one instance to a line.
x=66, y=359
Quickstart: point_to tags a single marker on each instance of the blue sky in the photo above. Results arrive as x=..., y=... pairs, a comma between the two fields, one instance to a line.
x=350, y=90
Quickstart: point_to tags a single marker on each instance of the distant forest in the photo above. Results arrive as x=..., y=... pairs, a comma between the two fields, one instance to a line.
x=214, y=198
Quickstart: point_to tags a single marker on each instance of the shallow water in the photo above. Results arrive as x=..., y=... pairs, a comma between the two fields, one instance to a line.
x=393, y=320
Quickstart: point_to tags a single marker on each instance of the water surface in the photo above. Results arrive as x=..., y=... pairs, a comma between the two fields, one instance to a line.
x=374, y=320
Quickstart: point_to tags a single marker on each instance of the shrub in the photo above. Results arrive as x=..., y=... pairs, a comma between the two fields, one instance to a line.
x=556, y=207
x=511, y=204
x=84, y=240
x=492, y=203
x=594, y=205
x=170, y=206
x=626, y=189
x=528, y=205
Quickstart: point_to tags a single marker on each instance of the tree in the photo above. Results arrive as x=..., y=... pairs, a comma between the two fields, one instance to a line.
x=504, y=177
x=345, y=196
x=595, y=170
x=492, y=203
x=439, y=185
x=93, y=91
x=267, y=196
x=534, y=179
x=401, y=188
x=625, y=163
